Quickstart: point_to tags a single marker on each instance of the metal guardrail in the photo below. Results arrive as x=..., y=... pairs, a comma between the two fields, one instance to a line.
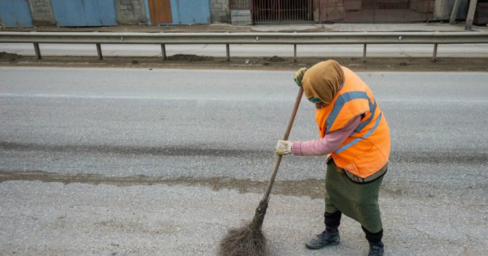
x=294, y=39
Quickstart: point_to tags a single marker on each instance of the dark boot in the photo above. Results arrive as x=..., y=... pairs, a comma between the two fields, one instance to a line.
x=331, y=234
x=376, y=247
x=324, y=239
x=376, y=250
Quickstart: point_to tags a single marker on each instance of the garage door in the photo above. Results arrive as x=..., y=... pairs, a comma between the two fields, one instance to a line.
x=15, y=13
x=82, y=13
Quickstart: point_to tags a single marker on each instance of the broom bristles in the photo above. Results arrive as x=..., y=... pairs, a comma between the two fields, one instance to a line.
x=244, y=241
x=248, y=240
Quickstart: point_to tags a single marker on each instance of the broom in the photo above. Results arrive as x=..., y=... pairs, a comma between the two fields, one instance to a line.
x=249, y=240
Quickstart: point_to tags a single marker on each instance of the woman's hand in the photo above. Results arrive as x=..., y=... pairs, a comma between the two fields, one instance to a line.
x=283, y=147
x=299, y=76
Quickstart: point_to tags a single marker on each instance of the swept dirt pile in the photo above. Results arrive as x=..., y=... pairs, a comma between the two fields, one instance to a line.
x=188, y=57
x=4, y=56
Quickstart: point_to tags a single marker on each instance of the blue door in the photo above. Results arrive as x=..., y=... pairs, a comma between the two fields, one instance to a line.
x=184, y=12
x=193, y=11
x=84, y=13
x=15, y=13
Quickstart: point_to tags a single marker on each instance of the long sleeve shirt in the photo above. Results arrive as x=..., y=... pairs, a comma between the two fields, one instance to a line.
x=326, y=145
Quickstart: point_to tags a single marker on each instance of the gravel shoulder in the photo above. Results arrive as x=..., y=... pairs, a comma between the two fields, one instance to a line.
x=250, y=63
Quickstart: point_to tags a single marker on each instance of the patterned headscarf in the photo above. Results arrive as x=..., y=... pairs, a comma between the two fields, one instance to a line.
x=322, y=82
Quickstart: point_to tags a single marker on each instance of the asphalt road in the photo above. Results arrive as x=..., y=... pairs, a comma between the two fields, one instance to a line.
x=163, y=162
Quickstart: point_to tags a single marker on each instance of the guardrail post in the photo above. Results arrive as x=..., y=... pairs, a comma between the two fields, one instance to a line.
x=295, y=53
x=434, y=58
x=364, y=53
x=163, y=51
x=99, y=51
x=228, y=51
x=38, y=50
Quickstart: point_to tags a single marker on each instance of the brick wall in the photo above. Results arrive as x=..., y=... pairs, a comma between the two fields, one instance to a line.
x=42, y=13
x=131, y=11
x=219, y=10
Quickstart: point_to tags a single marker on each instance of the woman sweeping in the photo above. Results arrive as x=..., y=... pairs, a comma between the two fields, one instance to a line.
x=355, y=138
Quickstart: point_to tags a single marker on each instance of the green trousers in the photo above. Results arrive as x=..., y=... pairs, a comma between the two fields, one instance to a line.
x=358, y=201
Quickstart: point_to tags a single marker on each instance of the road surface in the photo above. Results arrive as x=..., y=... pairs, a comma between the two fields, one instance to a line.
x=163, y=162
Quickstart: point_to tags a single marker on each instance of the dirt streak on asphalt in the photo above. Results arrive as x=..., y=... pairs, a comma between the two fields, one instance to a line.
x=313, y=188
x=308, y=187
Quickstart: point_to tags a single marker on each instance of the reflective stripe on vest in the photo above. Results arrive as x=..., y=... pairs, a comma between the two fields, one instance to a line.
x=372, y=109
x=340, y=103
x=339, y=150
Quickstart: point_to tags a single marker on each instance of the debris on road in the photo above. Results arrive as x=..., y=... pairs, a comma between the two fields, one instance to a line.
x=189, y=57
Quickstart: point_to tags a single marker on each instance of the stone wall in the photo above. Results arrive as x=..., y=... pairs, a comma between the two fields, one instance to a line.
x=130, y=11
x=328, y=10
x=219, y=10
x=42, y=13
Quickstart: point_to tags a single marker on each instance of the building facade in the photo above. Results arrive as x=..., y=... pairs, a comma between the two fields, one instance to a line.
x=347, y=11
x=82, y=13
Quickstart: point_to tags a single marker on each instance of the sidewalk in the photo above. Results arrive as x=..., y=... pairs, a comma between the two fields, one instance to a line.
x=407, y=27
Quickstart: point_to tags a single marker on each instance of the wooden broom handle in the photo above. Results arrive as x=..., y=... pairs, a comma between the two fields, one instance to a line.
x=287, y=133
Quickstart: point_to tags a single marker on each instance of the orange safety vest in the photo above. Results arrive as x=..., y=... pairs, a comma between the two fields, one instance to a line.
x=367, y=149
